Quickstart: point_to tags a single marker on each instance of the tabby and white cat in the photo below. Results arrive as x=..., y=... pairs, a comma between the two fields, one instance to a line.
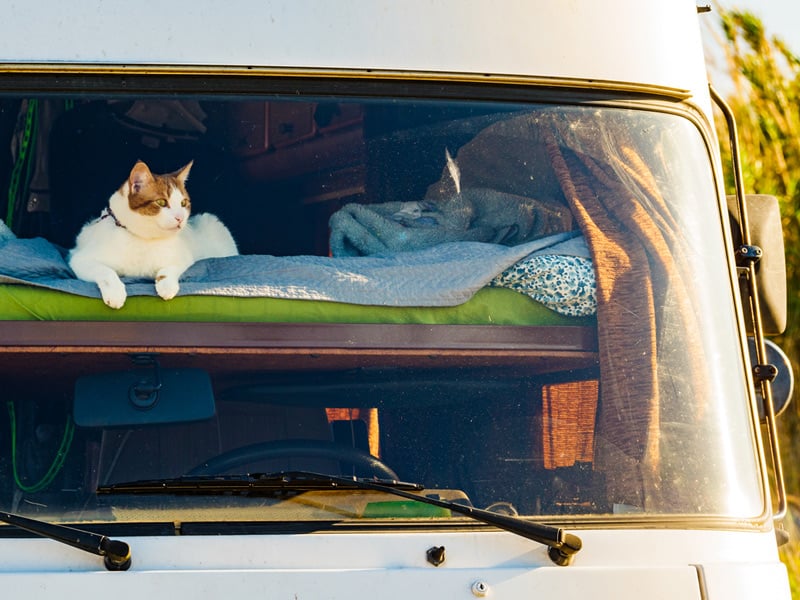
x=146, y=232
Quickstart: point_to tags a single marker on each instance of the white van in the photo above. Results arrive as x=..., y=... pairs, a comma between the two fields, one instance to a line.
x=484, y=332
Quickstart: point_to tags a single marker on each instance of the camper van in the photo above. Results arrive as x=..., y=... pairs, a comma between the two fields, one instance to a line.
x=312, y=299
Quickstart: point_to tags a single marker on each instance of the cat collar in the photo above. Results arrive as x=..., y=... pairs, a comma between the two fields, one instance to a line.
x=107, y=212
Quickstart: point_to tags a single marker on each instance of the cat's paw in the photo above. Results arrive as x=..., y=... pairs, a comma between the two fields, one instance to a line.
x=167, y=287
x=113, y=292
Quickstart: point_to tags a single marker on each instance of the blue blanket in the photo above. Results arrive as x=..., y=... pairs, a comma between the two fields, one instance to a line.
x=444, y=275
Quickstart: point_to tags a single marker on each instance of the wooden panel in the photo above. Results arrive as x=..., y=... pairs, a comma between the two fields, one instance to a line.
x=148, y=335
x=32, y=350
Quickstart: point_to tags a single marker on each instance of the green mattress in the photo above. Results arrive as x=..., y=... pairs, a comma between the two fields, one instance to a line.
x=490, y=306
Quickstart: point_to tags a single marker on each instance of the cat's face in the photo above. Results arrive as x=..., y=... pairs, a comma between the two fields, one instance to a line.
x=159, y=203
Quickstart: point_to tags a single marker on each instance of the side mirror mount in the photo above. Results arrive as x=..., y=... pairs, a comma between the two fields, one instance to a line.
x=766, y=233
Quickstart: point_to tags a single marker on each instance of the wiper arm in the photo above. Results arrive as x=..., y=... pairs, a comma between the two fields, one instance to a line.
x=561, y=545
x=116, y=554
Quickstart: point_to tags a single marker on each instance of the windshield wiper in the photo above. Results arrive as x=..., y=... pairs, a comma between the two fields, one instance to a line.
x=116, y=554
x=254, y=484
x=561, y=545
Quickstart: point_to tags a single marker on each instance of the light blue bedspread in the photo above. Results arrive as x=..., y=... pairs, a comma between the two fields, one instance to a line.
x=444, y=275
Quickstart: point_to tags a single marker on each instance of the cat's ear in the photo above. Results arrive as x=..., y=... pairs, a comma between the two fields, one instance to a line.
x=183, y=174
x=452, y=168
x=449, y=183
x=140, y=176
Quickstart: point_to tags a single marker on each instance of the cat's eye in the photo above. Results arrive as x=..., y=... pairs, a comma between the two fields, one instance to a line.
x=160, y=202
x=184, y=203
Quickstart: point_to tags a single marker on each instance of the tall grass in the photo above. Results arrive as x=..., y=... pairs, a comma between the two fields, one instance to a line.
x=765, y=77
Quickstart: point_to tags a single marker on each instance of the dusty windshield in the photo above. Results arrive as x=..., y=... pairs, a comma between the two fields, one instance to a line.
x=521, y=307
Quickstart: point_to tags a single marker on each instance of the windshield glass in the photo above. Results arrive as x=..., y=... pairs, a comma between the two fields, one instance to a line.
x=524, y=307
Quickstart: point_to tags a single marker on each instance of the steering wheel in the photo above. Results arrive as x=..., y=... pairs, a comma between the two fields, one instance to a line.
x=294, y=449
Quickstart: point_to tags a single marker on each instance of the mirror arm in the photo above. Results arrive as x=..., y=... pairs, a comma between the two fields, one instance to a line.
x=758, y=328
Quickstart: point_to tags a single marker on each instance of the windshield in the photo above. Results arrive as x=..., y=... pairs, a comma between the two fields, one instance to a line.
x=523, y=307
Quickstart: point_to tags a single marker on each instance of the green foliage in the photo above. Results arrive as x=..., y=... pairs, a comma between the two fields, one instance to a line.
x=766, y=101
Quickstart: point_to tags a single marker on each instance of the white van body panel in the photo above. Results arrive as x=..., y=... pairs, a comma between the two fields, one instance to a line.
x=660, y=44
x=655, y=564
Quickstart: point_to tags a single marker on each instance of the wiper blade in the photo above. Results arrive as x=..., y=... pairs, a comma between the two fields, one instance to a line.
x=561, y=545
x=116, y=554
x=255, y=484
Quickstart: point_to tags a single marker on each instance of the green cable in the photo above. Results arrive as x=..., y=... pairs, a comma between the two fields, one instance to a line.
x=58, y=461
x=22, y=157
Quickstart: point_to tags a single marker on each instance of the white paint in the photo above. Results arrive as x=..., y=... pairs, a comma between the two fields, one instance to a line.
x=616, y=40
x=651, y=563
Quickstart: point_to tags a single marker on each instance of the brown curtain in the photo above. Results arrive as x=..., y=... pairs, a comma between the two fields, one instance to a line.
x=646, y=327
